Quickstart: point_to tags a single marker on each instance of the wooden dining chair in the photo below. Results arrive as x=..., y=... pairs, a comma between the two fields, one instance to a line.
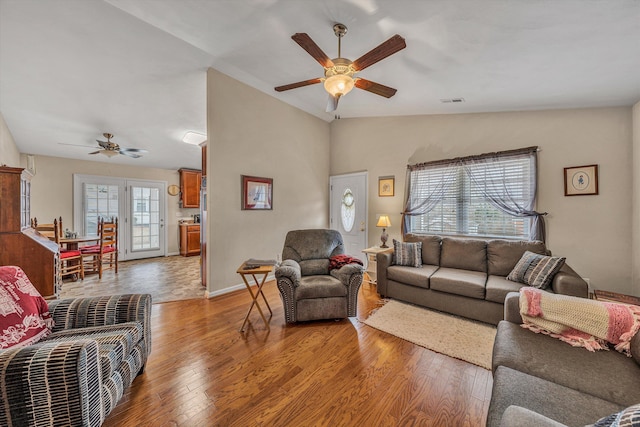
x=70, y=260
x=47, y=230
x=104, y=255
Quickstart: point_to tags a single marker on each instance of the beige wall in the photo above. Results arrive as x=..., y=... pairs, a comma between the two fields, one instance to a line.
x=591, y=231
x=52, y=195
x=636, y=199
x=252, y=133
x=9, y=153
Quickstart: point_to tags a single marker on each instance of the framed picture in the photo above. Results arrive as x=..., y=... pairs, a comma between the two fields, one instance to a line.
x=257, y=193
x=581, y=180
x=386, y=186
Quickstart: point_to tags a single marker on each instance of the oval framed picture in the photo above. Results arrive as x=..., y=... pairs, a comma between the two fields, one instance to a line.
x=173, y=190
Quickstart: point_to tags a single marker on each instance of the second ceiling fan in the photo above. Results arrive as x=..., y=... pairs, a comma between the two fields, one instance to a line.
x=339, y=73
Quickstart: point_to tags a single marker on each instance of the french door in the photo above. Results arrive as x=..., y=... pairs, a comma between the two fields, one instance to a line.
x=139, y=206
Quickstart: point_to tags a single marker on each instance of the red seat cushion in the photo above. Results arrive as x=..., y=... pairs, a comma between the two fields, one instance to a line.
x=90, y=248
x=69, y=254
x=24, y=314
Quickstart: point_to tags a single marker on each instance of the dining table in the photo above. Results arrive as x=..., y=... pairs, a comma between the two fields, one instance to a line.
x=73, y=243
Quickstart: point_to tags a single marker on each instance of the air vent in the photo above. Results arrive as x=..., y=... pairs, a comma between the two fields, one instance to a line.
x=451, y=100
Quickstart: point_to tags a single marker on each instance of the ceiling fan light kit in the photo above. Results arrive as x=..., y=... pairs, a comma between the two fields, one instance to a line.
x=111, y=149
x=339, y=72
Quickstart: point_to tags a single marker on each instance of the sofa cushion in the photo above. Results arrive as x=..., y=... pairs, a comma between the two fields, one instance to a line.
x=536, y=270
x=635, y=348
x=464, y=254
x=412, y=276
x=430, y=247
x=503, y=255
x=574, y=367
x=321, y=286
x=628, y=417
x=24, y=314
x=459, y=282
x=310, y=267
x=409, y=254
x=498, y=288
x=115, y=342
x=555, y=401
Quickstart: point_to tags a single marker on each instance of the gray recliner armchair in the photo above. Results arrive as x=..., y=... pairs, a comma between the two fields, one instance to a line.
x=308, y=288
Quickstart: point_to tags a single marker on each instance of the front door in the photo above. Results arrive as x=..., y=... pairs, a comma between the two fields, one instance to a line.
x=348, y=207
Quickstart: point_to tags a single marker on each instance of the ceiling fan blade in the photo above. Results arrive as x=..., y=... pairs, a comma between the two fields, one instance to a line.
x=134, y=150
x=103, y=144
x=374, y=87
x=312, y=49
x=332, y=103
x=132, y=154
x=297, y=85
x=96, y=152
x=391, y=46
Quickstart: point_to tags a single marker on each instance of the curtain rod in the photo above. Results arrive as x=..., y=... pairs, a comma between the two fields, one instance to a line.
x=514, y=152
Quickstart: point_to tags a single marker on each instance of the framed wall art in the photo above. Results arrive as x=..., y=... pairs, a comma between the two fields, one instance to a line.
x=581, y=180
x=386, y=186
x=257, y=193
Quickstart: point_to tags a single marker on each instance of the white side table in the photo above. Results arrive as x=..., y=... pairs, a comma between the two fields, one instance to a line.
x=372, y=264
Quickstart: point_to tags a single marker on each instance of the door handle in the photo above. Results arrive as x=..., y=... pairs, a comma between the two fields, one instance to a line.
x=362, y=226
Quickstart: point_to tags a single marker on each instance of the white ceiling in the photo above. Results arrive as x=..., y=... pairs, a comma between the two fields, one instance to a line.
x=71, y=70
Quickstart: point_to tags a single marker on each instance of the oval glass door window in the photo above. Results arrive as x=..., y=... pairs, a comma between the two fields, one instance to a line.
x=348, y=210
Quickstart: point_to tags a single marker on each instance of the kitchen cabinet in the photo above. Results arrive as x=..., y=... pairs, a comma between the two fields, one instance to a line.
x=190, y=187
x=21, y=245
x=189, y=239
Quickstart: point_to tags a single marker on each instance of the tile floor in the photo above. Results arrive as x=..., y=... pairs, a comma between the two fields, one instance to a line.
x=165, y=278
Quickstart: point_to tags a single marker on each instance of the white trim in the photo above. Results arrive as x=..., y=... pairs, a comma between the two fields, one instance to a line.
x=234, y=288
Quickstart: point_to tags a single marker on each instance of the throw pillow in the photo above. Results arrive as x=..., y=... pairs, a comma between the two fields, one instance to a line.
x=409, y=254
x=627, y=417
x=536, y=270
x=24, y=314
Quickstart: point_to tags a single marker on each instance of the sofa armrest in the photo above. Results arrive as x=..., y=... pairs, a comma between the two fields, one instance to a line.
x=568, y=282
x=57, y=383
x=288, y=275
x=517, y=416
x=351, y=276
x=383, y=261
x=512, y=308
x=101, y=311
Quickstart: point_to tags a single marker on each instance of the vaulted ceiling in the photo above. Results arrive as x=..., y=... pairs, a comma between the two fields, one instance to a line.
x=71, y=70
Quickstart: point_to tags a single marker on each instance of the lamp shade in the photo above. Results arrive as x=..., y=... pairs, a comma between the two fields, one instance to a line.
x=384, y=221
x=338, y=85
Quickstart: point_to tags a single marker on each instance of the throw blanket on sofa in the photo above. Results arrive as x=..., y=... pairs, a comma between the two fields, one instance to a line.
x=337, y=261
x=580, y=322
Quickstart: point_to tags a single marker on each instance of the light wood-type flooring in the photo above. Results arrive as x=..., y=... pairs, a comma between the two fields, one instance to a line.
x=203, y=372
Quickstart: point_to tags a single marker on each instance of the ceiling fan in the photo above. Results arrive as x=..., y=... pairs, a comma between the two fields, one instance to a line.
x=339, y=72
x=111, y=149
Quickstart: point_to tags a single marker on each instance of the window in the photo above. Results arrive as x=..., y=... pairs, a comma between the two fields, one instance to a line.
x=489, y=195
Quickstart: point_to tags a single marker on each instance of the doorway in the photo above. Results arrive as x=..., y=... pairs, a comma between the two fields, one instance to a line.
x=348, y=210
x=139, y=205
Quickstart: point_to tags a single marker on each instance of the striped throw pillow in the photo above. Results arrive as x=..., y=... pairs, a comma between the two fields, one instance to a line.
x=409, y=254
x=536, y=270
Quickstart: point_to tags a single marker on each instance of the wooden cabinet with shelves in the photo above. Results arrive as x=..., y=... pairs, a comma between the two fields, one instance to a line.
x=190, y=180
x=189, y=239
x=22, y=245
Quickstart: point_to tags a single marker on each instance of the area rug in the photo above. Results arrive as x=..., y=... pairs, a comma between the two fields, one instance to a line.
x=450, y=335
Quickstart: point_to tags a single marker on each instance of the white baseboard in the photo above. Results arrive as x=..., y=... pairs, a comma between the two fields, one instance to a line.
x=234, y=288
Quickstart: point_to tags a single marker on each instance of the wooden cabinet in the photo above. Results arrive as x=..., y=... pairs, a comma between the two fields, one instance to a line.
x=189, y=239
x=190, y=187
x=22, y=245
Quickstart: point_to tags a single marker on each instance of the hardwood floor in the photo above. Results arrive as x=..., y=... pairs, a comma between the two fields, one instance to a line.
x=203, y=372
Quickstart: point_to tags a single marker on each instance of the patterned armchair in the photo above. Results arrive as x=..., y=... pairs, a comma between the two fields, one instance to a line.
x=308, y=288
x=76, y=375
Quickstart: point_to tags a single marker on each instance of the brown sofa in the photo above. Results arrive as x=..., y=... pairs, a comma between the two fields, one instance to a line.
x=466, y=276
x=541, y=381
